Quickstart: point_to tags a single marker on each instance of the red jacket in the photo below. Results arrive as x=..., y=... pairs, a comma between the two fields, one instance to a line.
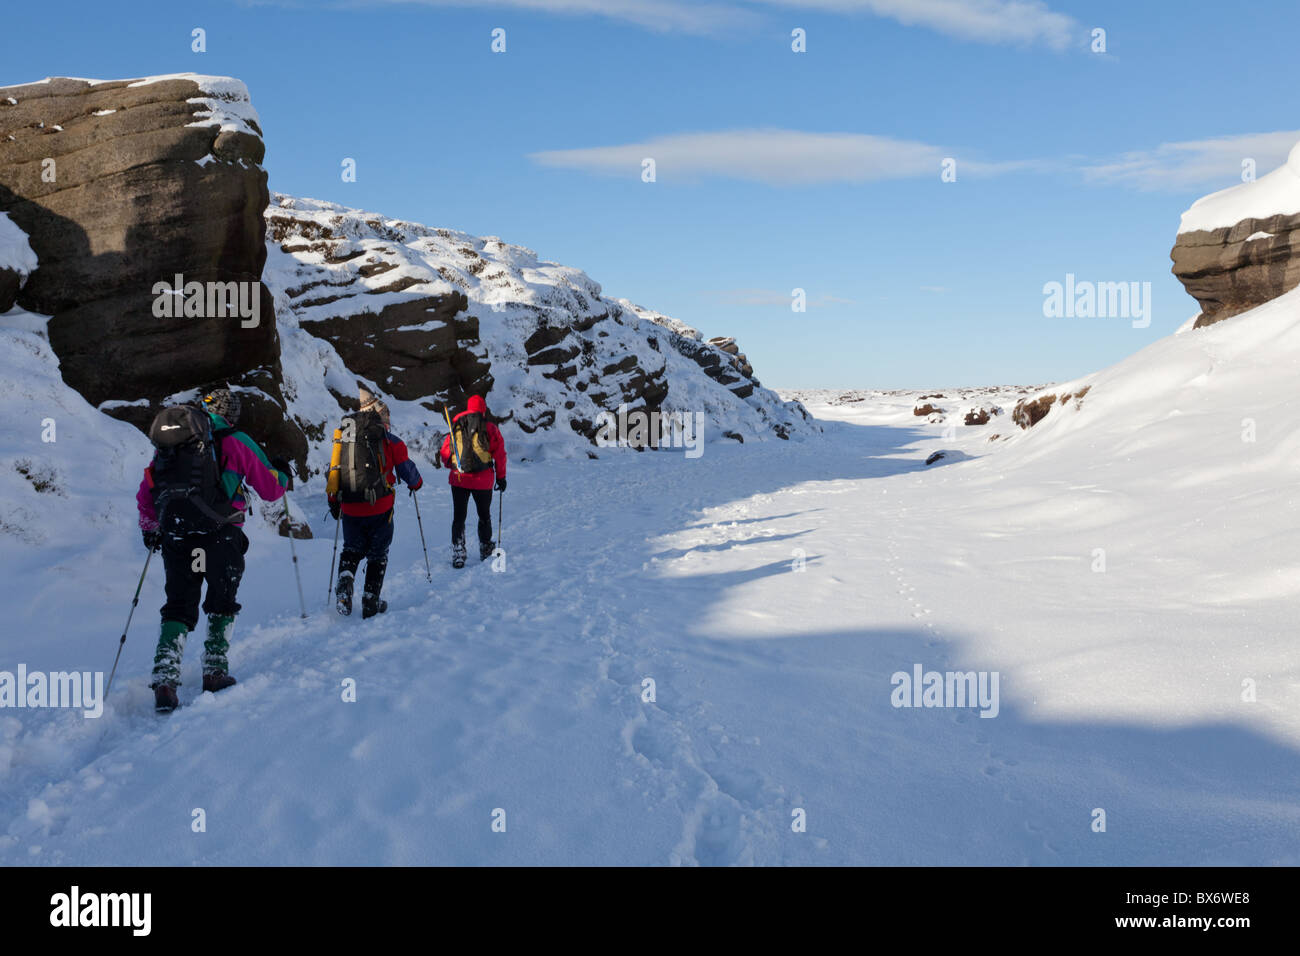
x=486, y=478
x=399, y=463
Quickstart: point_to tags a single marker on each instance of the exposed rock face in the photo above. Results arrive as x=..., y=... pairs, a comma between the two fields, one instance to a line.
x=121, y=185
x=1239, y=267
x=1240, y=247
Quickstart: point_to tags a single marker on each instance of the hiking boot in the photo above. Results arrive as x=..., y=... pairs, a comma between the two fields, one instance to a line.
x=343, y=593
x=372, y=604
x=458, y=554
x=485, y=549
x=217, y=681
x=165, y=699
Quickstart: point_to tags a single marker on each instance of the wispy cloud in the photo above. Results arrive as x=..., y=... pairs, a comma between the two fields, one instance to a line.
x=769, y=297
x=1195, y=163
x=772, y=156
x=784, y=157
x=984, y=21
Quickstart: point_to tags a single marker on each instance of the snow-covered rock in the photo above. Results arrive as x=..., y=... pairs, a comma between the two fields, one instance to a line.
x=121, y=185
x=17, y=261
x=1240, y=247
x=426, y=316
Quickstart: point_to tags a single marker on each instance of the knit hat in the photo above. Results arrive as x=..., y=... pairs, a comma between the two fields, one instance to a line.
x=223, y=402
x=370, y=402
x=476, y=404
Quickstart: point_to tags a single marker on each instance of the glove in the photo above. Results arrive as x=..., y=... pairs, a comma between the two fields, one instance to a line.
x=501, y=484
x=152, y=539
x=284, y=468
x=414, y=488
x=334, y=508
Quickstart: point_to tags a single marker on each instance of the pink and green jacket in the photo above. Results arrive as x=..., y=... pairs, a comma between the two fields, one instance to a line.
x=243, y=462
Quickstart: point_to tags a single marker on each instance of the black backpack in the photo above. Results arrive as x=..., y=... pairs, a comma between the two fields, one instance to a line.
x=471, y=448
x=187, y=467
x=362, y=465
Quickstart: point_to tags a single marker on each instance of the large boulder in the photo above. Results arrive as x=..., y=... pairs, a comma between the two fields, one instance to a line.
x=1240, y=247
x=126, y=184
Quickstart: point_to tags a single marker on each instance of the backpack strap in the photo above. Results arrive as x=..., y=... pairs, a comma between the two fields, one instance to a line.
x=217, y=435
x=218, y=451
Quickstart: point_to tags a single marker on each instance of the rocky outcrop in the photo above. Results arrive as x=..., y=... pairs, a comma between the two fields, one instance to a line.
x=430, y=315
x=1239, y=248
x=347, y=282
x=123, y=185
x=1030, y=411
x=727, y=367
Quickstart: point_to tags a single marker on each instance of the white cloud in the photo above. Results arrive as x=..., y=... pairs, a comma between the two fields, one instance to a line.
x=1195, y=163
x=684, y=16
x=986, y=21
x=769, y=297
x=773, y=156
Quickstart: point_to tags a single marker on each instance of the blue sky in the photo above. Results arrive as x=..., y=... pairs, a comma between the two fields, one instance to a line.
x=775, y=170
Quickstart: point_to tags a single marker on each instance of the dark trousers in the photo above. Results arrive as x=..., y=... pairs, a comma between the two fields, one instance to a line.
x=366, y=537
x=460, y=509
x=221, y=556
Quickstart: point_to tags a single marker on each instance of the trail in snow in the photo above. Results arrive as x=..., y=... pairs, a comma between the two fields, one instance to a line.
x=523, y=690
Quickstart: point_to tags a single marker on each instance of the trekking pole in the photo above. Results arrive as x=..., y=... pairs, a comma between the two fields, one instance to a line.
x=294, y=551
x=122, y=640
x=330, y=594
x=501, y=501
x=427, y=572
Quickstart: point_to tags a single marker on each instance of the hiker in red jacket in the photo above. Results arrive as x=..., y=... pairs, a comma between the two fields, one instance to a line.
x=368, y=526
x=474, y=454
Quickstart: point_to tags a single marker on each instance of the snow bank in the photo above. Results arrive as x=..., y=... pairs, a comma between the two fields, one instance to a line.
x=1183, y=387
x=227, y=105
x=15, y=251
x=1277, y=193
x=67, y=471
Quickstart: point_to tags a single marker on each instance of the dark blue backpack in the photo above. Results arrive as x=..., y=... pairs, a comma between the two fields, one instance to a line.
x=187, y=468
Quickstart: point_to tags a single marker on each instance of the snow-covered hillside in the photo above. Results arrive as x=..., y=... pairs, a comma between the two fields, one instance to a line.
x=1123, y=566
x=371, y=297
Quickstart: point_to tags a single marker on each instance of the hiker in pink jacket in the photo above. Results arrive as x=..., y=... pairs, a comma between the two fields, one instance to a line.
x=192, y=503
